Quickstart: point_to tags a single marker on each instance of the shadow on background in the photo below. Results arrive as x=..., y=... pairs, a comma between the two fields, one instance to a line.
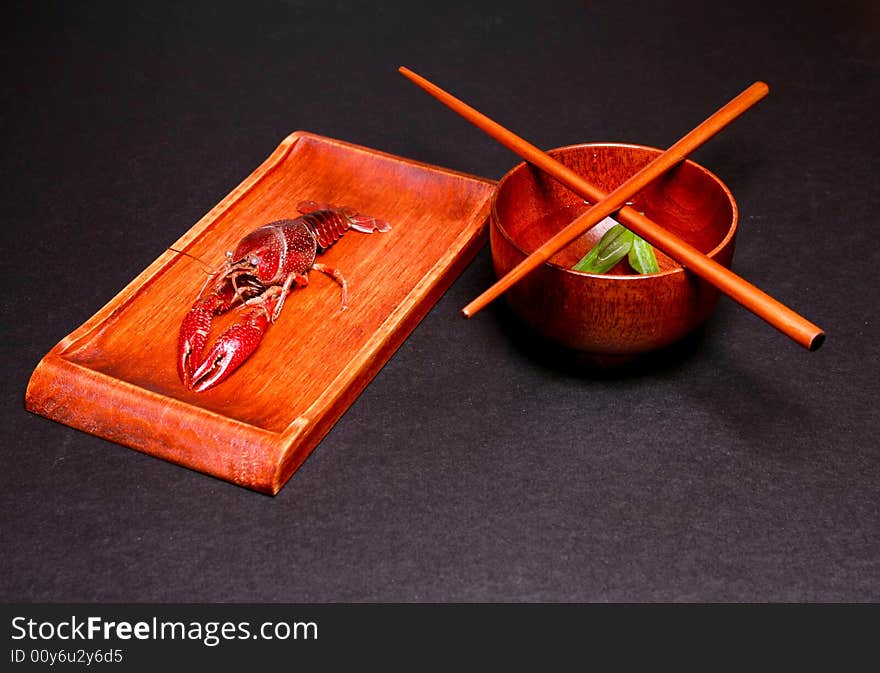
x=664, y=361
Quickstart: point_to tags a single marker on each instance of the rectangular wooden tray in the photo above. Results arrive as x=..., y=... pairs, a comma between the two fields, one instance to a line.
x=115, y=376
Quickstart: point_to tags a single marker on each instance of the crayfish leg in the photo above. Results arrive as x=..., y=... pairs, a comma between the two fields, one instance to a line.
x=272, y=299
x=336, y=275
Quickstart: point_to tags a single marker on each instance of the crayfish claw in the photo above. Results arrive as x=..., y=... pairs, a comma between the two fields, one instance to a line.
x=192, y=341
x=230, y=350
x=214, y=369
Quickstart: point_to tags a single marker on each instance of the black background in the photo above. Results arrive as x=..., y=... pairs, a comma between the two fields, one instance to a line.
x=734, y=467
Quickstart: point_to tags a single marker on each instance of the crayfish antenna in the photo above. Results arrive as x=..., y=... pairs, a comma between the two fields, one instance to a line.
x=205, y=267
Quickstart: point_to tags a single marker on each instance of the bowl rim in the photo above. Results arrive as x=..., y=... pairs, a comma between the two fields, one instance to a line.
x=731, y=232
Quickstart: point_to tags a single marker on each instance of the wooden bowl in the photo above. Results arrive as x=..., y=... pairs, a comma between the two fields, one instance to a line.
x=612, y=317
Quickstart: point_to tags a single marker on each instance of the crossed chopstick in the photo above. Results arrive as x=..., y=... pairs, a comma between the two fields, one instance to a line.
x=755, y=300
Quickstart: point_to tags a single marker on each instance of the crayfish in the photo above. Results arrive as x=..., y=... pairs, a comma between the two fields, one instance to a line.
x=257, y=277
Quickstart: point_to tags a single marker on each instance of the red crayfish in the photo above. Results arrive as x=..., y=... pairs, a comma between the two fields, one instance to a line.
x=258, y=275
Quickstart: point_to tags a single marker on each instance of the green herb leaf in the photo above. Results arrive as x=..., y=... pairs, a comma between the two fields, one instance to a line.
x=610, y=249
x=641, y=256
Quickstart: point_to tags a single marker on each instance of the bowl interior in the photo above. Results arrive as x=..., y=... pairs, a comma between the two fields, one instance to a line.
x=689, y=201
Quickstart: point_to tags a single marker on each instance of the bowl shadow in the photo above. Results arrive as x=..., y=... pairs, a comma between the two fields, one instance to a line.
x=578, y=364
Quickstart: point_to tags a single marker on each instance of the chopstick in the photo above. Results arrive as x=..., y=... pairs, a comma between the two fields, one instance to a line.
x=755, y=300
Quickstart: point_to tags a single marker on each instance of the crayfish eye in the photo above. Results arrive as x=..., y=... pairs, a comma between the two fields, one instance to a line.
x=255, y=261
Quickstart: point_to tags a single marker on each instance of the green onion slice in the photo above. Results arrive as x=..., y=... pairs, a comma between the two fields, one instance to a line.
x=641, y=256
x=611, y=248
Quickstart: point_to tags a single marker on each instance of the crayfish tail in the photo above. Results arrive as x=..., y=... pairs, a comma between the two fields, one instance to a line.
x=359, y=222
x=367, y=224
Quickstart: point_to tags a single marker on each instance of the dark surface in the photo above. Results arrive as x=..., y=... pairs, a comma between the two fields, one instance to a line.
x=735, y=467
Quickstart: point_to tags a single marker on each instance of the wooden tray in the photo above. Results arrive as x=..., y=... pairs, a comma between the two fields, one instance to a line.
x=115, y=376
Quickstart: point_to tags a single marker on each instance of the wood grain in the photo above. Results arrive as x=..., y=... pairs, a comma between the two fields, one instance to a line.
x=115, y=376
x=774, y=312
x=610, y=319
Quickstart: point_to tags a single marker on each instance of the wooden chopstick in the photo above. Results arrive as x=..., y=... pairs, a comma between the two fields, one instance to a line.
x=758, y=302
